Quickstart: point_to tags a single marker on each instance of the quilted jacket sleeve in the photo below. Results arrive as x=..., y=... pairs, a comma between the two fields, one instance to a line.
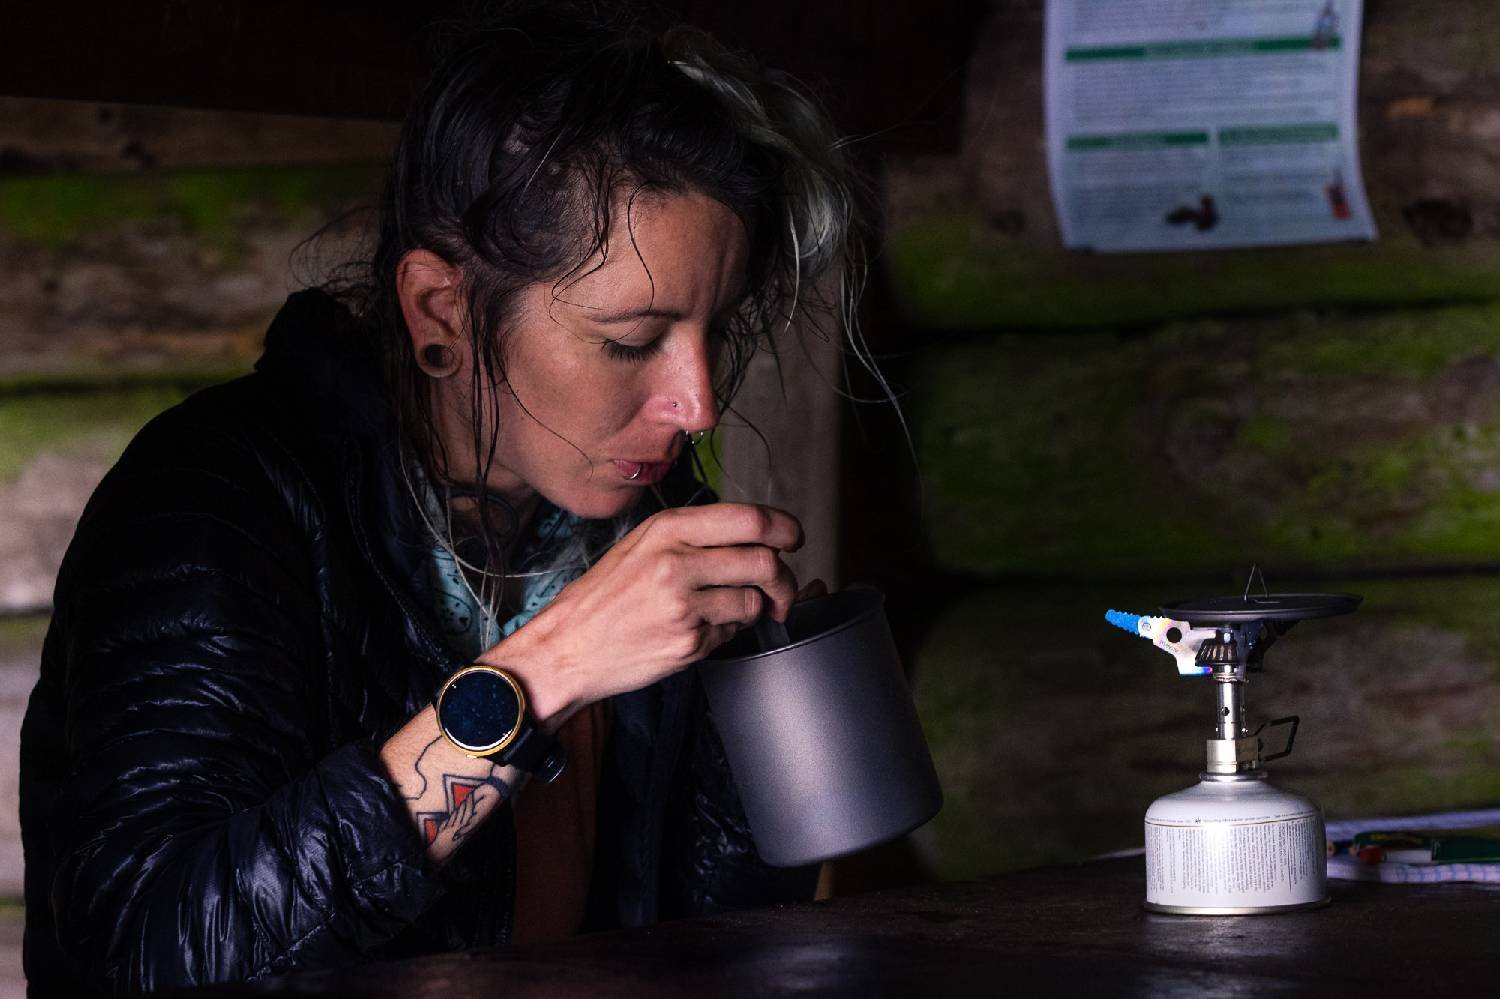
x=201, y=832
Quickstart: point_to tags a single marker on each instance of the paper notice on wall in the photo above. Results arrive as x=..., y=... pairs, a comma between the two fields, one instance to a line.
x=1188, y=124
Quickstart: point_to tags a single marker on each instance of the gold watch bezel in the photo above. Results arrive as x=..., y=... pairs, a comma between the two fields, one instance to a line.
x=479, y=753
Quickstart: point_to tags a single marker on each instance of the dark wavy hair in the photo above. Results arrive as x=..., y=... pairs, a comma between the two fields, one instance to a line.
x=511, y=159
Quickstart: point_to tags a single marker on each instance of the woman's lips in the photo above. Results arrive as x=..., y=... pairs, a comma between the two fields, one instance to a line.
x=642, y=473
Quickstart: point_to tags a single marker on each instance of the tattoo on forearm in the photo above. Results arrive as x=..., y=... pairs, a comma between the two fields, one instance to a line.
x=421, y=778
x=462, y=820
x=468, y=800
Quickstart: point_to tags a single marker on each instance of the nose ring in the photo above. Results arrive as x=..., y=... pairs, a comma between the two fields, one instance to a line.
x=694, y=437
x=635, y=474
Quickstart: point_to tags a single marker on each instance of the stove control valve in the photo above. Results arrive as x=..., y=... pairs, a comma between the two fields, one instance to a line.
x=1178, y=639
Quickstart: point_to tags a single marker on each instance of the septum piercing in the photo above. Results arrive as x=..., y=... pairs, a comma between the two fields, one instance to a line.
x=635, y=474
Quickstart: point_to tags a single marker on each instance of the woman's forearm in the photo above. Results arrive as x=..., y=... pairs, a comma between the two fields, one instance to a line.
x=449, y=793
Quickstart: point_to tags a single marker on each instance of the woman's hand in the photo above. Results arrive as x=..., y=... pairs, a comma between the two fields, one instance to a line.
x=669, y=592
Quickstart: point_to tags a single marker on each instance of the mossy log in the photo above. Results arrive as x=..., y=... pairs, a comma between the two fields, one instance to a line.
x=165, y=271
x=1310, y=443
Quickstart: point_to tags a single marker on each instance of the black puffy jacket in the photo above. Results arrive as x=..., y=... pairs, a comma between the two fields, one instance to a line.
x=239, y=624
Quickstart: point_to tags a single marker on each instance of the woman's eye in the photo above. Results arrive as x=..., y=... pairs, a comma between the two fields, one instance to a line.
x=631, y=352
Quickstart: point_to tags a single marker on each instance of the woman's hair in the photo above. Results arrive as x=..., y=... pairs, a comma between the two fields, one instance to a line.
x=518, y=148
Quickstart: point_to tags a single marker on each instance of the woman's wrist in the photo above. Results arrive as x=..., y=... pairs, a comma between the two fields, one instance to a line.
x=543, y=675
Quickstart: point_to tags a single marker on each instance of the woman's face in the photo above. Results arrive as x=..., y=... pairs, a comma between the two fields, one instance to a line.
x=605, y=371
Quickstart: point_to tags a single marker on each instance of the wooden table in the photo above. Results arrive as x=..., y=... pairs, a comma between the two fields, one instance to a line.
x=1058, y=931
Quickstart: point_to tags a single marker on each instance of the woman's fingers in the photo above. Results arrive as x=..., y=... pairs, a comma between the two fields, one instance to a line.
x=679, y=585
x=735, y=545
x=743, y=565
x=817, y=588
x=715, y=636
x=730, y=605
x=722, y=524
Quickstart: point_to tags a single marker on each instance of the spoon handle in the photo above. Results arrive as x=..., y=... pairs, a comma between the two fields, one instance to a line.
x=771, y=634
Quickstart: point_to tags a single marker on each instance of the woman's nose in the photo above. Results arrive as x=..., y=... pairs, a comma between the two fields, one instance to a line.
x=687, y=398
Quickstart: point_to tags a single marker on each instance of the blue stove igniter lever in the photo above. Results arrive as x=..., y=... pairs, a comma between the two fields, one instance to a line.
x=1178, y=639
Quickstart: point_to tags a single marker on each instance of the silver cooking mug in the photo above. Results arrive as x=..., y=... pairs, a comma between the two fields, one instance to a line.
x=821, y=734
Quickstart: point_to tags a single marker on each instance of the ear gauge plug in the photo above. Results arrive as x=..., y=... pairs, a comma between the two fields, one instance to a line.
x=437, y=360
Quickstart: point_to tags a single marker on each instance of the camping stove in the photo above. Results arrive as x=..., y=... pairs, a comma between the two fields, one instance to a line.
x=1234, y=844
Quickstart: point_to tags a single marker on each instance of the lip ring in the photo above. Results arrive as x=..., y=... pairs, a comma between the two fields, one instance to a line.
x=641, y=473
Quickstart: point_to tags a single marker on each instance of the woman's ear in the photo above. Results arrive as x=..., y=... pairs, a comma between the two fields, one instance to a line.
x=428, y=287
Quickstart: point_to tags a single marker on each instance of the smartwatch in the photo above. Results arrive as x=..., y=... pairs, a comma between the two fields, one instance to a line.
x=481, y=710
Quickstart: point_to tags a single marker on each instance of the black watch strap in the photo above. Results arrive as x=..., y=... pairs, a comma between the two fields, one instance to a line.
x=535, y=752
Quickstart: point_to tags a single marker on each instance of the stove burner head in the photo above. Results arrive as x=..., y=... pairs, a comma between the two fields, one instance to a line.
x=1207, y=612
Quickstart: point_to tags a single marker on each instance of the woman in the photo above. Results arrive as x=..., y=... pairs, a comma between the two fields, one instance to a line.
x=320, y=625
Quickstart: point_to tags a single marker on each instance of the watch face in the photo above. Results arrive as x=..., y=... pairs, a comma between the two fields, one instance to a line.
x=480, y=710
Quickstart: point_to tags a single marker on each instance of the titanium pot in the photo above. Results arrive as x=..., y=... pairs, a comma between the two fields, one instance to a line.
x=821, y=734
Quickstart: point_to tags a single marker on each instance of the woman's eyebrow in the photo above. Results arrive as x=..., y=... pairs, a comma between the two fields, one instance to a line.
x=635, y=314
x=631, y=315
